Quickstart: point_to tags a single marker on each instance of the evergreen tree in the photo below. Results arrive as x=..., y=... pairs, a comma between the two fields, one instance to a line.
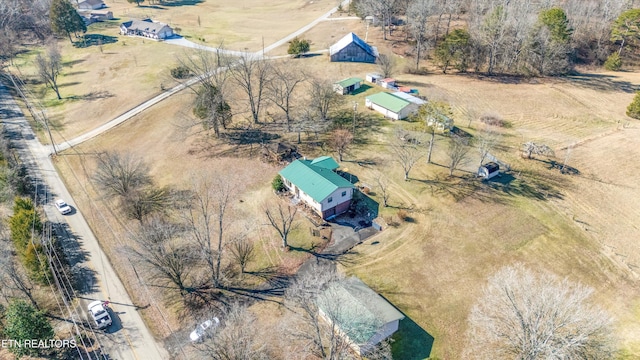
x=298, y=47
x=633, y=110
x=24, y=322
x=65, y=20
x=556, y=21
x=454, y=50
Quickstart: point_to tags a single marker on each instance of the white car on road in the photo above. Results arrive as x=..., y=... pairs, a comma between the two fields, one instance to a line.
x=202, y=329
x=63, y=207
x=99, y=314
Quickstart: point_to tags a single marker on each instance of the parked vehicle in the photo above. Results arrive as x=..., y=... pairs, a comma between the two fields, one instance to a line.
x=200, y=331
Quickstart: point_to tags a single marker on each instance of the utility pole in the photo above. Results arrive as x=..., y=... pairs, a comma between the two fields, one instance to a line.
x=355, y=109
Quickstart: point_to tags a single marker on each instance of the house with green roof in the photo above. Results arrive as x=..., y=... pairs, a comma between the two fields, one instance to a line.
x=360, y=315
x=390, y=105
x=347, y=86
x=317, y=184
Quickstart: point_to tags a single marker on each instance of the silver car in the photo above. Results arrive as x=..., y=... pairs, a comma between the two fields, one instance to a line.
x=202, y=329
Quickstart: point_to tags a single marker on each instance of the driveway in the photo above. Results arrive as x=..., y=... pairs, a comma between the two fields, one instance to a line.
x=181, y=41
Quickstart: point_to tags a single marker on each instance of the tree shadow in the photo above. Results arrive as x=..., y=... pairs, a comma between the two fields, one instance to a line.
x=363, y=88
x=72, y=62
x=600, y=82
x=83, y=278
x=94, y=95
x=94, y=40
x=72, y=83
x=180, y=2
x=411, y=342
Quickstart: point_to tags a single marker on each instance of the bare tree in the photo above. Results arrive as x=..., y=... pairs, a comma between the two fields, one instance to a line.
x=121, y=174
x=406, y=151
x=143, y=202
x=243, y=251
x=418, y=13
x=323, y=98
x=386, y=64
x=166, y=259
x=281, y=89
x=238, y=339
x=13, y=280
x=306, y=325
x=281, y=218
x=340, y=140
x=384, y=9
x=252, y=74
x=206, y=221
x=457, y=152
x=49, y=65
x=486, y=140
x=527, y=315
x=383, y=185
x=530, y=148
x=211, y=104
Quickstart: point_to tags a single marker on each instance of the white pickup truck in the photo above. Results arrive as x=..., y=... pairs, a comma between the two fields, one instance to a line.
x=99, y=314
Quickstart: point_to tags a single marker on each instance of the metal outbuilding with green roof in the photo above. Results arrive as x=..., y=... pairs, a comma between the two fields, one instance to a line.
x=316, y=183
x=390, y=106
x=347, y=86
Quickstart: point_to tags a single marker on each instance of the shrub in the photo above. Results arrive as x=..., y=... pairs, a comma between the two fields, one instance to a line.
x=493, y=119
x=277, y=183
x=180, y=72
x=298, y=47
x=633, y=110
x=403, y=215
x=614, y=62
x=35, y=261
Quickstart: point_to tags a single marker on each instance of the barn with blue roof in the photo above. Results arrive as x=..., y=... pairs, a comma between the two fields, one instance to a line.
x=352, y=48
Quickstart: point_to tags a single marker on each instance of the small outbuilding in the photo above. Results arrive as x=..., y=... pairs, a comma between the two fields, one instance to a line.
x=347, y=86
x=373, y=77
x=489, y=170
x=352, y=48
x=387, y=83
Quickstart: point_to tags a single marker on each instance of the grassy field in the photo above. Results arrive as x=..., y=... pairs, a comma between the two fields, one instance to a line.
x=461, y=231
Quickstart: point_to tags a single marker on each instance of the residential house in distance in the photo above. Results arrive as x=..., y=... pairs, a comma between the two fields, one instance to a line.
x=146, y=28
x=347, y=86
x=317, y=184
x=390, y=105
x=362, y=317
x=91, y=5
x=352, y=48
x=91, y=16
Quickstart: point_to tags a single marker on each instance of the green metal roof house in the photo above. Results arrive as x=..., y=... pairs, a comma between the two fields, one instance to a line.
x=317, y=184
x=347, y=86
x=390, y=105
x=361, y=315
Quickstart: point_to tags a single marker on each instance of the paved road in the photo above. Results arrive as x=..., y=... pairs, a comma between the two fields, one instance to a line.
x=131, y=341
x=181, y=41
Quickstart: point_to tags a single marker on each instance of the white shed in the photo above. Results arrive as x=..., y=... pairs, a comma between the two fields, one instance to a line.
x=489, y=170
x=373, y=77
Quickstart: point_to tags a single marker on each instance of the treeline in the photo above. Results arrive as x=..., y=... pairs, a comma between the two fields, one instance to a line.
x=22, y=21
x=545, y=37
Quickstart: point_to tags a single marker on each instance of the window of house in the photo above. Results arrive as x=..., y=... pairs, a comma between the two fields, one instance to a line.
x=330, y=199
x=344, y=193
